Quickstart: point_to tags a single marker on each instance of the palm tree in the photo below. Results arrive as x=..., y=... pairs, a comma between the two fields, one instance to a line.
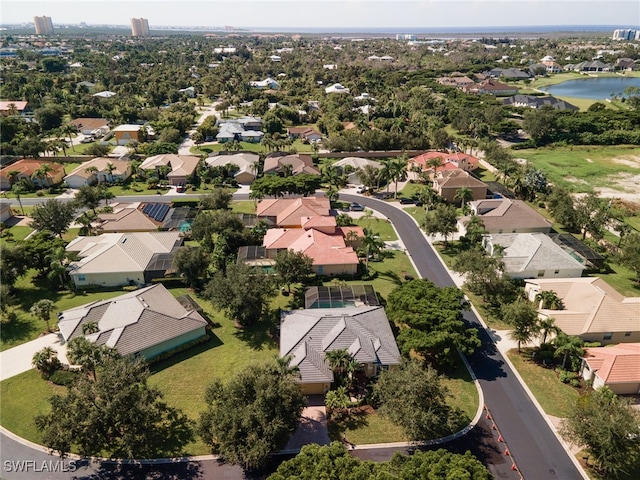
x=428, y=196
x=283, y=365
x=86, y=220
x=41, y=173
x=46, y=361
x=371, y=245
x=464, y=194
x=549, y=300
x=110, y=169
x=352, y=368
x=42, y=309
x=88, y=355
x=338, y=360
x=91, y=171
x=58, y=268
x=18, y=190
x=333, y=176
x=548, y=326
x=397, y=169
x=475, y=229
x=435, y=163
x=522, y=333
x=568, y=346
x=11, y=175
x=69, y=130
x=89, y=328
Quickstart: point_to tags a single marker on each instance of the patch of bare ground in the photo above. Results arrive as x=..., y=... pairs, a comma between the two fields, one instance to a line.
x=630, y=161
x=627, y=187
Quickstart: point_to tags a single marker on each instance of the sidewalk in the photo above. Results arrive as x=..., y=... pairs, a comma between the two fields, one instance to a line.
x=17, y=360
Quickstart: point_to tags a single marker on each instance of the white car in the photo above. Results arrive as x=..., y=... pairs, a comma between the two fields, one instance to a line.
x=361, y=189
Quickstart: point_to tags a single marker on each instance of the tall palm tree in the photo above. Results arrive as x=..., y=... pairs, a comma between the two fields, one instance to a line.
x=18, y=190
x=435, y=163
x=371, y=245
x=464, y=195
x=397, y=169
x=338, y=360
x=548, y=326
x=283, y=365
x=42, y=309
x=41, y=173
x=475, y=229
x=110, y=168
x=86, y=220
x=428, y=196
x=91, y=171
x=12, y=175
x=568, y=346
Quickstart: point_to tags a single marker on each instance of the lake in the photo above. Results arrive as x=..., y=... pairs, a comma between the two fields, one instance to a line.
x=592, y=88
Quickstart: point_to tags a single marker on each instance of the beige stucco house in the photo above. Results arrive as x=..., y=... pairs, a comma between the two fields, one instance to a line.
x=107, y=170
x=593, y=309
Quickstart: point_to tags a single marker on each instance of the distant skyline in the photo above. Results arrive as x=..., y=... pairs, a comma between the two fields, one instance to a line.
x=402, y=15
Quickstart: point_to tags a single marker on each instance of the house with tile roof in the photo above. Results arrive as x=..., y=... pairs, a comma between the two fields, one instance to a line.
x=320, y=240
x=126, y=217
x=593, y=309
x=108, y=170
x=503, y=215
x=183, y=167
x=277, y=162
x=247, y=164
x=533, y=101
x=88, y=126
x=124, y=134
x=617, y=367
x=26, y=169
x=532, y=255
x=304, y=133
x=353, y=165
x=119, y=259
x=289, y=212
x=17, y=107
x=307, y=335
x=144, y=323
x=450, y=161
x=447, y=183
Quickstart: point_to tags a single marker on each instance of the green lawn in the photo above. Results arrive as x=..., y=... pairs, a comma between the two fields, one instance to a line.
x=18, y=233
x=410, y=189
x=581, y=169
x=554, y=396
x=388, y=273
x=622, y=279
x=485, y=175
x=243, y=206
x=138, y=188
x=462, y=390
x=380, y=226
x=365, y=426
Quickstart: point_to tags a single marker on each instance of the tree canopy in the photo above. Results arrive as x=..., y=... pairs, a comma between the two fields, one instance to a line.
x=334, y=461
x=431, y=323
x=292, y=267
x=251, y=416
x=118, y=413
x=53, y=215
x=413, y=397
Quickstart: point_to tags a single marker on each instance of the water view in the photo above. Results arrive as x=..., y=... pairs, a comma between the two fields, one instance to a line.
x=593, y=88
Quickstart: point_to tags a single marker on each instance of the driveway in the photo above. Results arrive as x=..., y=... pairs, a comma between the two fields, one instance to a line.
x=18, y=359
x=312, y=427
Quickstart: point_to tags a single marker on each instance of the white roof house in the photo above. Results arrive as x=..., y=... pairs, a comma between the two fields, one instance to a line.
x=356, y=163
x=117, y=259
x=532, y=255
x=146, y=322
x=336, y=88
x=266, y=83
x=247, y=164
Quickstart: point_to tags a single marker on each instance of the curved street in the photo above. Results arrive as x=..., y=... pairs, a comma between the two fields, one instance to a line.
x=534, y=446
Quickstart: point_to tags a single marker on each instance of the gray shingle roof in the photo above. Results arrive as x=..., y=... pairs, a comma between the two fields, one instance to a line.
x=134, y=321
x=308, y=334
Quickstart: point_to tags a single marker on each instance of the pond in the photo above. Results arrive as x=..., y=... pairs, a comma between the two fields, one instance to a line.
x=599, y=88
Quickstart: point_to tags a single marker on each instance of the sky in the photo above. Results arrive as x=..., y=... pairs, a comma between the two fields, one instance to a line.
x=329, y=13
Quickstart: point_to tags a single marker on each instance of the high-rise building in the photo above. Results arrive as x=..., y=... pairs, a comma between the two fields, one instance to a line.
x=44, y=25
x=625, y=34
x=139, y=27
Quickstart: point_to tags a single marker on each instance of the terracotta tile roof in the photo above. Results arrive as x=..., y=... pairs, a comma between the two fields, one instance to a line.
x=101, y=163
x=451, y=160
x=457, y=178
x=324, y=249
x=89, y=123
x=181, y=165
x=18, y=104
x=617, y=364
x=28, y=166
x=290, y=211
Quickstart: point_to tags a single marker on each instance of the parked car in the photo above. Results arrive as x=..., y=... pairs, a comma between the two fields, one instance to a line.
x=87, y=139
x=180, y=188
x=406, y=201
x=356, y=207
x=361, y=189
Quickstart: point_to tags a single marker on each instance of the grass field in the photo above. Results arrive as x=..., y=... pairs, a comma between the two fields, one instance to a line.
x=554, y=396
x=583, y=169
x=380, y=226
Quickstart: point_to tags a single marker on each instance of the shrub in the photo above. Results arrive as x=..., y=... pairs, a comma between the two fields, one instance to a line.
x=63, y=377
x=568, y=377
x=545, y=356
x=40, y=193
x=575, y=382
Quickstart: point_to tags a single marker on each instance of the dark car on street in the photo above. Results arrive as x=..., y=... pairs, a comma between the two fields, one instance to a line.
x=356, y=207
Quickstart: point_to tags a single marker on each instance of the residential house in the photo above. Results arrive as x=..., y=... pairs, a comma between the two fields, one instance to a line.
x=26, y=169
x=5, y=211
x=593, y=309
x=551, y=65
x=105, y=94
x=383, y=58
x=290, y=212
x=321, y=240
x=278, y=163
x=447, y=183
x=352, y=165
x=275, y=58
x=268, y=82
x=336, y=88
x=304, y=133
x=118, y=259
x=627, y=64
x=124, y=134
x=183, y=167
x=247, y=164
x=12, y=107
x=91, y=126
x=450, y=161
x=503, y=215
x=593, y=66
x=491, y=87
x=144, y=323
x=307, y=335
x=616, y=367
x=244, y=129
x=457, y=82
x=189, y=92
x=507, y=74
x=532, y=255
x=533, y=101
x=127, y=217
x=99, y=170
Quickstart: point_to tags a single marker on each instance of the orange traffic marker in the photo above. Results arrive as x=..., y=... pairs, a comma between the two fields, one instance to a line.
x=513, y=467
x=500, y=438
x=506, y=452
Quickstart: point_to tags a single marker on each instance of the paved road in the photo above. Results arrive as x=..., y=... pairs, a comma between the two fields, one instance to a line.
x=536, y=449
